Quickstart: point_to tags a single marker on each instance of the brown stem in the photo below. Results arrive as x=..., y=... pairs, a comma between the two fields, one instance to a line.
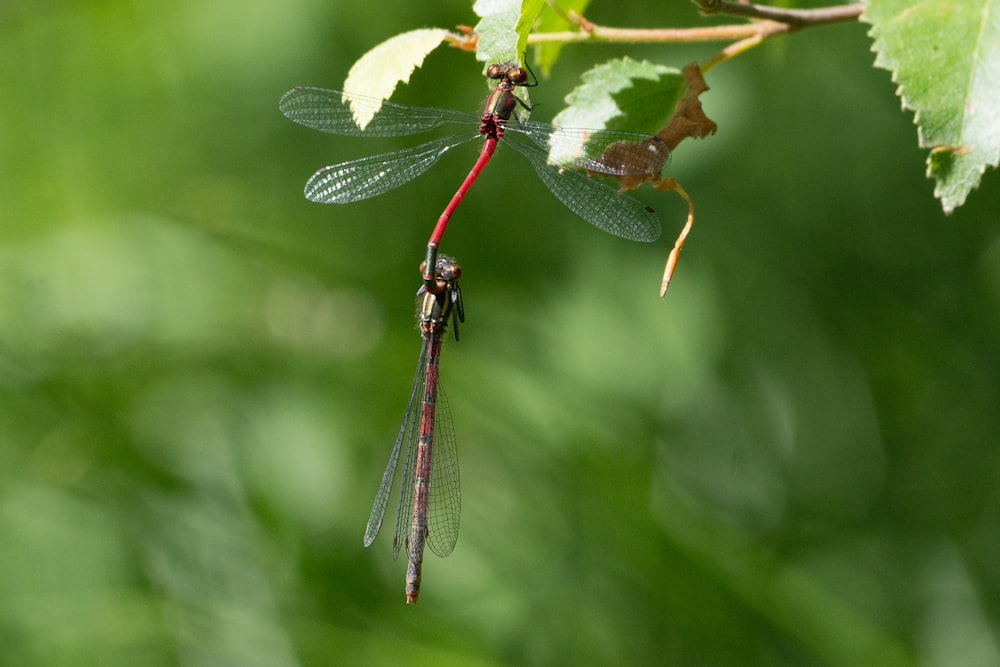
x=718, y=33
x=767, y=21
x=797, y=18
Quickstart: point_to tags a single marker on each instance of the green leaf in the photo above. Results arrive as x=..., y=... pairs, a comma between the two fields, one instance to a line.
x=377, y=73
x=503, y=28
x=624, y=94
x=497, y=36
x=945, y=56
x=529, y=14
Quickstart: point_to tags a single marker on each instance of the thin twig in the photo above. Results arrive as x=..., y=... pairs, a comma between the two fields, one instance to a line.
x=768, y=21
x=797, y=18
x=718, y=33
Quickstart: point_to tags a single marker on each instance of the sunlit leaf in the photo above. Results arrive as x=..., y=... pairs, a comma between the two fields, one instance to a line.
x=624, y=94
x=497, y=30
x=377, y=73
x=945, y=56
x=525, y=22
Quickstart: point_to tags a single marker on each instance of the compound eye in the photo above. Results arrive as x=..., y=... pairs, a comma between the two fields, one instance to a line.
x=448, y=271
x=518, y=75
x=494, y=71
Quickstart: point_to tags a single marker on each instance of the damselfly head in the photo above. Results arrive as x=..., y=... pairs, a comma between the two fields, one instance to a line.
x=448, y=270
x=507, y=71
x=446, y=273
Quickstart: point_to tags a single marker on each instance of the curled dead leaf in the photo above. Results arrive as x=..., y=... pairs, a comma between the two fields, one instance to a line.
x=688, y=119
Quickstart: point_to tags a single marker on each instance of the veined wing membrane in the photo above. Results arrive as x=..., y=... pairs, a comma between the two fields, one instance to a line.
x=389, y=476
x=367, y=177
x=603, y=151
x=445, y=504
x=329, y=111
x=599, y=204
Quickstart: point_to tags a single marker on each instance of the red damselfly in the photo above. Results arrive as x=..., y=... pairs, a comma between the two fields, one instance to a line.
x=430, y=498
x=563, y=158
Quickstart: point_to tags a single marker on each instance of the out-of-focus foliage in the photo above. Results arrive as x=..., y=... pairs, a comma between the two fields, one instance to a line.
x=791, y=460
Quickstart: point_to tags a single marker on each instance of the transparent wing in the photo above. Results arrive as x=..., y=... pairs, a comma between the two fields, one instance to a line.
x=604, y=151
x=388, y=477
x=370, y=176
x=445, y=504
x=329, y=111
x=599, y=204
x=410, y=433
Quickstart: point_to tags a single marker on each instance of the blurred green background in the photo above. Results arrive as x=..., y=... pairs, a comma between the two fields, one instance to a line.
x=791, y=460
